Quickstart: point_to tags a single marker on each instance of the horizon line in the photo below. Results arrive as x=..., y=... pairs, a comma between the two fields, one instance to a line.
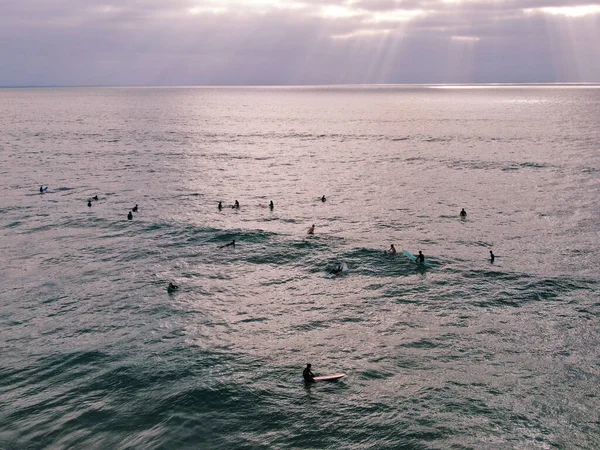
x=474, y=84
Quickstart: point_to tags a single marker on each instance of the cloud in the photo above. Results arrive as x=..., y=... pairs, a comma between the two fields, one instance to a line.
x=89, y=42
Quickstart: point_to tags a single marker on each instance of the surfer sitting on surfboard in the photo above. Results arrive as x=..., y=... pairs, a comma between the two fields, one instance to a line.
x=420, y=257
x=463, y=213
x=308, y=376
x=392, y=249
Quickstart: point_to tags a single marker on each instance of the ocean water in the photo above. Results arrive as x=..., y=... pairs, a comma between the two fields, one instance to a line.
x=464, y=354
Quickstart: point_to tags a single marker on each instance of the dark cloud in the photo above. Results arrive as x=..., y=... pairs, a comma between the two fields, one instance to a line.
x=137, y=42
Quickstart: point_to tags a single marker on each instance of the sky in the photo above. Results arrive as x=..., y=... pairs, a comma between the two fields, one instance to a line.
x=297, y=42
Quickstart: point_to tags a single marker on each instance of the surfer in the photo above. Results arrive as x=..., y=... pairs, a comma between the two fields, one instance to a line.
x=311, y=230
x=95, y=197
x=172, y=287
x=232, y=244
x=220, y=206
x=135, y=208
x=236, y=205
x=323, y=199
x=463, y=213
x=420, y=257
x=90, y=203
x=339, y=269
x=271, y=205
x=41, y=189
x=492, y=257
x=307, y=374
x=392, y=249
x=130, y=216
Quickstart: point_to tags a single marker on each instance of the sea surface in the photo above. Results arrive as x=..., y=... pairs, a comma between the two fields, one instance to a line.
x=95, y=353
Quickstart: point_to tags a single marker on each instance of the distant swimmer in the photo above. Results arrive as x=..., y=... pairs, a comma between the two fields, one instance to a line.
x=90, y=203
x=492, y=256
x=311, y=230
x=420, y=257
x=220, y=206
x=392, y=249
x=271, y=205
x=95, y=197
x=172, y=287
x=135, y=208
x=231, y=244
x=236, y=205
x=307, y=374
x=463, y=213
x=323, y=199
x=41, y=189
x=339, y=269
x=130, y=216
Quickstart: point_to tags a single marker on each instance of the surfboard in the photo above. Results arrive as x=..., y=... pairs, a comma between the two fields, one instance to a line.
x=410, y=255
x=333, y=377
x=44, y=189
x=414, y=258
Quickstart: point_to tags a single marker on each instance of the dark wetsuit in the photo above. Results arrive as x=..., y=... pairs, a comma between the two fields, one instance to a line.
x=421, y=257
x=492, y=257
x=308, y=376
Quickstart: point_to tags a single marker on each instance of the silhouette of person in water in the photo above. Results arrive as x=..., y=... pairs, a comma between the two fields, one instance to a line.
x=323, y=199
x=420, y=257
x=135, y=208
x=220, y=206
x=311, y=230
x=130, y=216
x=463, y=213
x=392, y=249
x=338, y=269
x=90, y=203
x=232, y=244
x=172, y=287
x=236, y=205
x=307, y=374
x=95, y=197
x=41, y=189
x=271, y=205
x=492, y=257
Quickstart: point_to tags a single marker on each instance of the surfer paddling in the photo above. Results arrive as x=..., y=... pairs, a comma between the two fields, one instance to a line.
x=311, y=230
x=338, y=269
x=231, y=244
x=307, y=374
